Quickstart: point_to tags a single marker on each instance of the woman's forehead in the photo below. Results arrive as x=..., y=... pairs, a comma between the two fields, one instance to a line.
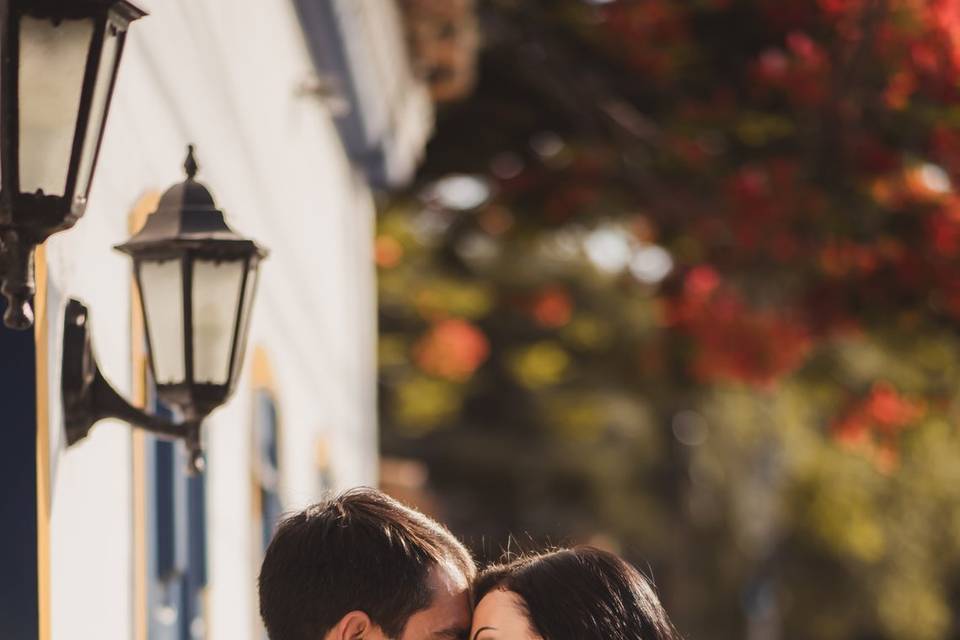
x=503, y=614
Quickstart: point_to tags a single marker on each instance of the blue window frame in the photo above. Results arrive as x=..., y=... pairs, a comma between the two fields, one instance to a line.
x=266, y=439
x=266, y=472
x=176, y=537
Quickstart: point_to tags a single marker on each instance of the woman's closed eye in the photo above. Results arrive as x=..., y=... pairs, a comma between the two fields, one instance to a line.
x=481, y=635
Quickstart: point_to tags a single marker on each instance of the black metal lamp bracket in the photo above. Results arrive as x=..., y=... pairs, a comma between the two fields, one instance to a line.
x=88, y=398
x=16, y=272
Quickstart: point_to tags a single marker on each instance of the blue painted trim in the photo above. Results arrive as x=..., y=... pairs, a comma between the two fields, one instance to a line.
x=326, y=39
x=177, y=540
x=266, y=431
x=19, y=600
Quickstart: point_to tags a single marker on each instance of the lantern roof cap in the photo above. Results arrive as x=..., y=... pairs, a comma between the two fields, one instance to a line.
x=187, y=217
x=188, y=194
x=125, y=10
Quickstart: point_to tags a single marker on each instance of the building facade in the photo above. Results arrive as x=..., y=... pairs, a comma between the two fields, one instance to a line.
x=299, y=110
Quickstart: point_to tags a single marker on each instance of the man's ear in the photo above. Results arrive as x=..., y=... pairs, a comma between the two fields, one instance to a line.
x=356, y=625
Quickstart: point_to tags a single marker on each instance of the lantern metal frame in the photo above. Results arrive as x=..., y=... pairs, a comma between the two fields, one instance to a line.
x=28, y=219
x=186, y=226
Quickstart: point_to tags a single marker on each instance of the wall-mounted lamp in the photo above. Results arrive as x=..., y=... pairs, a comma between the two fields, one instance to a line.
x=58, y=65
x=197, y=279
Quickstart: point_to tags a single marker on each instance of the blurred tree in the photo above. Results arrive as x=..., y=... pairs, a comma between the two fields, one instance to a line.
x=683, y=278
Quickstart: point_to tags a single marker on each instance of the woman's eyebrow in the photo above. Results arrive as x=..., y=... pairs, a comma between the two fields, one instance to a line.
x=453, y=633
x=483, y=629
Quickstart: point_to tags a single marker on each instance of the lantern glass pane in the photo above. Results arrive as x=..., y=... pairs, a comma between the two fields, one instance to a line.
x=249, y=292
x=53, y=60
x=161, y=287
x=98, y=112
x=216, y=298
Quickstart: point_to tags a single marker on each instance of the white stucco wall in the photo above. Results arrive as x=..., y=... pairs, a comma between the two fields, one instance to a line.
x=224, y=76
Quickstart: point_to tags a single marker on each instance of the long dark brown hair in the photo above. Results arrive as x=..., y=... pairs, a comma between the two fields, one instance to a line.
x=583, y=594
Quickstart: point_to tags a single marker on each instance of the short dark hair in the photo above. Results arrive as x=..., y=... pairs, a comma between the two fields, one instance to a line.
x=582, y=593
x=360, y=551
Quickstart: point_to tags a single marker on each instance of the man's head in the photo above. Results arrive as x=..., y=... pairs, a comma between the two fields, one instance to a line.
x=362, y=565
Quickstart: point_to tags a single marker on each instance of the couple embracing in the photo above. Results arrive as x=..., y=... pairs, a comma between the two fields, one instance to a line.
x=364, y=567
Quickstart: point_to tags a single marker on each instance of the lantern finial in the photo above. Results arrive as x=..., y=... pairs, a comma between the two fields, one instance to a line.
x=190, y=164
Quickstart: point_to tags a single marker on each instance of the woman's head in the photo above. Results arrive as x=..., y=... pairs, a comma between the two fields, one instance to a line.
x=580, y=593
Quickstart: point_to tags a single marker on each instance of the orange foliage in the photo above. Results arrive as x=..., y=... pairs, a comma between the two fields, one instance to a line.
x=451, y=349
x=871, y=426
x=733, y=341
x=552, y=307
x=387, y=251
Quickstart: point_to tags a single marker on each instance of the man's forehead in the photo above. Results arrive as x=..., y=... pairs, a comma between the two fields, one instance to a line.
x=447, y=578
x=448, y=616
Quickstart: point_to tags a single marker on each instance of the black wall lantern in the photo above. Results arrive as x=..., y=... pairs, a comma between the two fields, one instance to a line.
x=197, y=280
x=58, y=65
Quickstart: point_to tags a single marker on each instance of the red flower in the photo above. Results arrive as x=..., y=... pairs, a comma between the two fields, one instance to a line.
x=451, y=349
x=837, y=8
x=701, y=282
x=552, y=307
x=387, y=251
x=843, y=258
x=871, y=425
x=772, y=67
x=945, y=145
x=732, y=341
x=944, y=232
x=801, y=72
x=889, y=410
x=805, y=49
x=902, y=85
